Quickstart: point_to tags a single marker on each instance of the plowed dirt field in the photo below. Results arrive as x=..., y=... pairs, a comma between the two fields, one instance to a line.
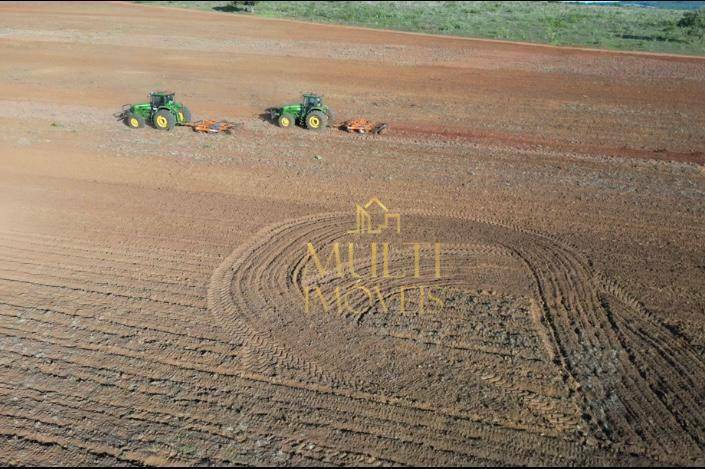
x=151, y=282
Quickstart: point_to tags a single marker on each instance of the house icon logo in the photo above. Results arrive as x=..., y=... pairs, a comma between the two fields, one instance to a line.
x=364, y=218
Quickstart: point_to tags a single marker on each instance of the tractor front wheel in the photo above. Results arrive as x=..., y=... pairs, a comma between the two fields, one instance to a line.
x=316, y=120
x=134, y=121
x=164, y=120
x=285, y=121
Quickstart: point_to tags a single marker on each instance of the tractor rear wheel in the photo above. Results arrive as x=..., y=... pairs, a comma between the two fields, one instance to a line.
x=285, y=121
x=316, y=120
x=184, y=115
x=134, y=121
x=164, y=120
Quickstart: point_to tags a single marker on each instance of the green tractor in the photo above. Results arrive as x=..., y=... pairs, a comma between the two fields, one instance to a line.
x=310, y=112
x=161, y=110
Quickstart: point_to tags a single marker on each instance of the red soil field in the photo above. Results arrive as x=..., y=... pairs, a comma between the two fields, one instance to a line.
x=150, y=301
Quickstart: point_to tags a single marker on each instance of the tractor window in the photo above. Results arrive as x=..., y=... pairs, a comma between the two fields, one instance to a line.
x=160, y=100
x=312, y=101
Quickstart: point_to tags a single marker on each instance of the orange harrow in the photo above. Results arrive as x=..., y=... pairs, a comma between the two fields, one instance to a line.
x=213, y=127
x=362, y=126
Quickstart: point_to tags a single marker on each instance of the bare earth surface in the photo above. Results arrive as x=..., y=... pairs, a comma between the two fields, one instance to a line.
x=149, y=310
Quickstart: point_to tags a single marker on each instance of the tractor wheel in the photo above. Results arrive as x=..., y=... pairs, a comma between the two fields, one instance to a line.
x=285, y=121
x=316, y=120
x=134, y=121
x=184, y=115
x=164, y=120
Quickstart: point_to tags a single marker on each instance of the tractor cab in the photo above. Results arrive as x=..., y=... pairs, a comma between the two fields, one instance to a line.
x=311, y=100
x=160, y=99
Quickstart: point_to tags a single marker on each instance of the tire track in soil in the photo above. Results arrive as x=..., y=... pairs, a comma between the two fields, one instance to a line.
x=318, y=402
x=582, y=336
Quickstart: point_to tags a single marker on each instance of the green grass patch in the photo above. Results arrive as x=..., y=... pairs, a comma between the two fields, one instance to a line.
x=618, y=28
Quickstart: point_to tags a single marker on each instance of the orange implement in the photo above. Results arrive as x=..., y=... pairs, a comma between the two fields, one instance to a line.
x=362, y=126
x=213, y=127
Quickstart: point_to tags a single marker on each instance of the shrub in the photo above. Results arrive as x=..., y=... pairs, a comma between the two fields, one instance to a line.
x=248, y=6
x=693, y=22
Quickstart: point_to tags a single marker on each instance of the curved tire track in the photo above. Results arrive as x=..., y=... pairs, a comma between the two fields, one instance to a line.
x=640, y=386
